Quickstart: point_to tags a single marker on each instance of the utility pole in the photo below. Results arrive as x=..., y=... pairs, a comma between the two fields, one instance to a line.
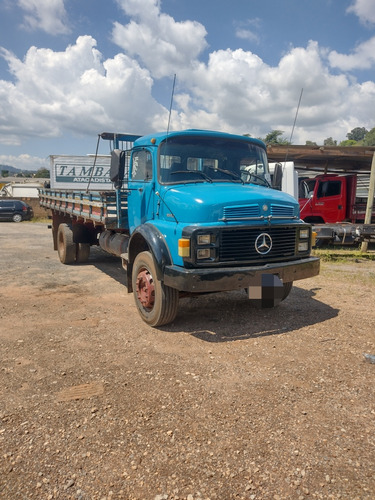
x=370, y=201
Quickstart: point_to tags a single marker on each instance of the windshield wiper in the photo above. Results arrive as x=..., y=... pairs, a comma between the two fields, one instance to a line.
x=255, y=176
x=202, y=174
x=228, y=172
x=261, y=179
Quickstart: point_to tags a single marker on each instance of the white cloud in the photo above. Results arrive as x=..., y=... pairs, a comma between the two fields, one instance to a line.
x=364, y=9
x=163, y=45
x=238, y=92
x=74, y=91
x=248, y=30
x=245, y=34
x=363, y=57
x=46, y=15
x=147, y=9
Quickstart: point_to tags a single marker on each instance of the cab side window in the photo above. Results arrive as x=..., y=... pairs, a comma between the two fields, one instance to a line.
x=142, y=165
x=329, y=188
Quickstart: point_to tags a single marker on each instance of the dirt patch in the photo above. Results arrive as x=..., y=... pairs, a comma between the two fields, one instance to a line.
x=227, y=402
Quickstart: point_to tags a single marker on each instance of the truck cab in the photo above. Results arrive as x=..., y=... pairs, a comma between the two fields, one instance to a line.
x=328, y=198
x=208, y=183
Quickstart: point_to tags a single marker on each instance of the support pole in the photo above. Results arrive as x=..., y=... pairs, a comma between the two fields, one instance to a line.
x=370, y=201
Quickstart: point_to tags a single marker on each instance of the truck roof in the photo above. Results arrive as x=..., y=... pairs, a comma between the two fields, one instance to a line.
x=157, y=138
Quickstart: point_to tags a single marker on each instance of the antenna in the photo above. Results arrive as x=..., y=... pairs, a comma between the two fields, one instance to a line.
x=294, y=124
x=171, y=104
x=93, y=167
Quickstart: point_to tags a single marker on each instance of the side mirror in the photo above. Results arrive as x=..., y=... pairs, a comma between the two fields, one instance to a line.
x=277, y=177
x=117, y=169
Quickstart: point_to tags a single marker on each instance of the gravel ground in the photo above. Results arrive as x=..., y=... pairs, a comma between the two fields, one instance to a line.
x=228, y=402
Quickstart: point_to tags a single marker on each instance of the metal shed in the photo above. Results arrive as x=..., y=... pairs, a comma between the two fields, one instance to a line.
x=331, y=159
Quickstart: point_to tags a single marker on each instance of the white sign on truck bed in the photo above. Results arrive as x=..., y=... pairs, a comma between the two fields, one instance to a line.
x=81, y=172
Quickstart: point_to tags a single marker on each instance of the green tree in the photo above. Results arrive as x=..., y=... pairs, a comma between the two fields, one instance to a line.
x=311, y=143
x=369, y=139
x=5, y=173
x=42, y=173
x=357, y=134
x=348, y=142
x=275, y=137
x=330, y=142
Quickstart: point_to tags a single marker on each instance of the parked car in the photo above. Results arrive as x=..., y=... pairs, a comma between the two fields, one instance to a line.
x=15, y=210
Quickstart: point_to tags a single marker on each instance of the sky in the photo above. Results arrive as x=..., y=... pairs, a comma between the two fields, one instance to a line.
x=71, y=69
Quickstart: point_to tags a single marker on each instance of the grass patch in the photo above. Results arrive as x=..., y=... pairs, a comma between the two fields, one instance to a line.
x=44, y=220
x=343, y=255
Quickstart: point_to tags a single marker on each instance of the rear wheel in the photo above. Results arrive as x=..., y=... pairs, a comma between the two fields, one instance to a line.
x=83, y=252
x=157, y=303
x=66, y=248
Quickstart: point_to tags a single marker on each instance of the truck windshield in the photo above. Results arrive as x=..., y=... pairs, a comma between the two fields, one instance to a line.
x=185, y=159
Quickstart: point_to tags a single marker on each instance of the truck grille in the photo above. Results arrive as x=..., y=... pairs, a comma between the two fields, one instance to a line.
x=241, y=211
x=238, y=212
x=282, y=211
x=239, y=244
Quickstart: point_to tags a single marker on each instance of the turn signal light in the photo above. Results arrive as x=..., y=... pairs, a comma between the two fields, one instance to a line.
x=313, y=238
x=184, y=247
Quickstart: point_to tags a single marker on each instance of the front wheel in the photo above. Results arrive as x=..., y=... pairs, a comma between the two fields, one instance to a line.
x=287, y=289
x=267, y=298
x=156, y=303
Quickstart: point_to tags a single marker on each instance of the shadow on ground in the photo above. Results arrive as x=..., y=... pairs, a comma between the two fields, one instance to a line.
x=229, y=316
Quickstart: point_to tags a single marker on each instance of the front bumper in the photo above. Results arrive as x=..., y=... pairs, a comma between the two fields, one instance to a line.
x=234, y=278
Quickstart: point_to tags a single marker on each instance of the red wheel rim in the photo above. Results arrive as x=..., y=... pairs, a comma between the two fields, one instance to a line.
x=145, y=289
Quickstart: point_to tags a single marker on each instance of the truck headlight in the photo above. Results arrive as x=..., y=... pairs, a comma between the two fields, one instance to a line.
x=204, y=239
x=204, y=253
x=303, y=246
x=304, y=234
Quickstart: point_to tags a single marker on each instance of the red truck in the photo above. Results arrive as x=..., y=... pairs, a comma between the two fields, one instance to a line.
x=331, y=200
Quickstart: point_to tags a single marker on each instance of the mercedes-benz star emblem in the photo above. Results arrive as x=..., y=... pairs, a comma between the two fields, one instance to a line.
x=263, y=243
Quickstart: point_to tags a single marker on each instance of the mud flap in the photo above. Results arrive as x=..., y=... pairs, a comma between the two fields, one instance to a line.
x=266, y=290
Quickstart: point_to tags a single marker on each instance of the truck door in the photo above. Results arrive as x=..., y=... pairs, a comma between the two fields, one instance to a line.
x=141, y=187
x=329, y=200
x=305, y=191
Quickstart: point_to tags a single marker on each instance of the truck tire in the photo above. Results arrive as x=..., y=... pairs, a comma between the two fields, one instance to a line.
x=287, y=289
x=66, y=248
x=83, y=252
x=157, y=303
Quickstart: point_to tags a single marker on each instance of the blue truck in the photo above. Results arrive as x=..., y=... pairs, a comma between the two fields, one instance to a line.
x=191, y=212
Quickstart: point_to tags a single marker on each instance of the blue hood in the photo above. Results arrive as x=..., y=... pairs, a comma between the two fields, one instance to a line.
x=210, y=203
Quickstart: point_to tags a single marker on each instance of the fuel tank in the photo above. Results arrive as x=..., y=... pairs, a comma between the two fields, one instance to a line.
x=114, y=243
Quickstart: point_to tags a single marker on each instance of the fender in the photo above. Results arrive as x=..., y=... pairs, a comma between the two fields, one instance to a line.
x=148, y=238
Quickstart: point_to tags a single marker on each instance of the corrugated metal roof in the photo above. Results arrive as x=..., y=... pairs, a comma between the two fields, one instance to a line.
x=327, y=159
